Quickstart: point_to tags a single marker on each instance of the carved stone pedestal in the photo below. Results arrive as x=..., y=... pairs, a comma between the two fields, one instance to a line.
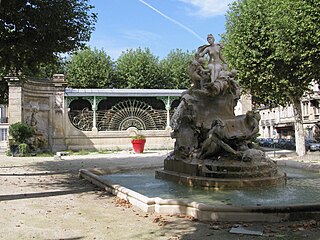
x=222, y=173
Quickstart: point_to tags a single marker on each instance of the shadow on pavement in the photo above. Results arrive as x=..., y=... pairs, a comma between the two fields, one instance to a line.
x=42, y=194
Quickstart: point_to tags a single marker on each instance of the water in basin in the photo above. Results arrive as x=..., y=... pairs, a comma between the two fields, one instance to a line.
x=303, y=187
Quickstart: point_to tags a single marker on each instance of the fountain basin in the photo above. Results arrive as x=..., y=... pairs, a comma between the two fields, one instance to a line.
x=203, y=211
x=222, y=173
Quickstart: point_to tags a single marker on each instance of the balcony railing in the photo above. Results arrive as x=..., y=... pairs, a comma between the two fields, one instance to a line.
x=4, y=120
x=268, y=122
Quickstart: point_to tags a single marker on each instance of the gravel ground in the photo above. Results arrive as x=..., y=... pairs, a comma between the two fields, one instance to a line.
x=43, y=198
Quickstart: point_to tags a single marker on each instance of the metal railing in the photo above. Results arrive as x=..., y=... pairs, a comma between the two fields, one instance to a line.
x=4, y=120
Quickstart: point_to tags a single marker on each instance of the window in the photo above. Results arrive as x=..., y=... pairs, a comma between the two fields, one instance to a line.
x=3, y=134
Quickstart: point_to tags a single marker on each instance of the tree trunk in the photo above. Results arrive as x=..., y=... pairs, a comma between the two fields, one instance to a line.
x=298, y=127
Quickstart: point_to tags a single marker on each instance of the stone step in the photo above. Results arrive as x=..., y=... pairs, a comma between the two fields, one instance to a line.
x=238, y=168
x=3, y=148
x=220, y=183
x=252, y=174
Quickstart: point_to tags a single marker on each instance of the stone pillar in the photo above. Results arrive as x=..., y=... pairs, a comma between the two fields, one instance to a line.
x=168, y=107
x=94, y=109
x=15, y=100
x=167, y=102
x=58, y=111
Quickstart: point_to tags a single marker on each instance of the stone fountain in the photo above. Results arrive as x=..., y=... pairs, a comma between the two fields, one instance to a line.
x=214, y=148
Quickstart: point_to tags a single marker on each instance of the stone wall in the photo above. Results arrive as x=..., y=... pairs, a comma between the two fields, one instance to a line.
x=42, y=105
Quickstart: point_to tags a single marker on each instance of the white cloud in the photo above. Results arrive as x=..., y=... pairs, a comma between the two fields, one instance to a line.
x=208, y=8
x=172, y=20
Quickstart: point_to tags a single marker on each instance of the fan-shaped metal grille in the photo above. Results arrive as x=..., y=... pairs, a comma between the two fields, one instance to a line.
x=123, y=115
x=132, y=113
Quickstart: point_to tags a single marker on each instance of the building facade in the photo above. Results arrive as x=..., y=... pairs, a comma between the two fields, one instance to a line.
x=4, y=127
x=279, y=122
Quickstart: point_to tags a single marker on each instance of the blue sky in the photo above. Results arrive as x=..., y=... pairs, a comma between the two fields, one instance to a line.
x=160, y=25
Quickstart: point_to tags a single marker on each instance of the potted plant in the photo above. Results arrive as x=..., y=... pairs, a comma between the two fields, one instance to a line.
x=138, y=142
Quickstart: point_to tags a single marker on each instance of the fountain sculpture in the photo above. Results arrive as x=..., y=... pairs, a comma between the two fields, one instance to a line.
x=214, y=148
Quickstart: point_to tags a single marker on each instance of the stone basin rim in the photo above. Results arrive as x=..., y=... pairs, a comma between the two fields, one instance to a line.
x=201, y=211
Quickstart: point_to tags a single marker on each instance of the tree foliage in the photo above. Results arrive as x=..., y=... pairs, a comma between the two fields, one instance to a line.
x=135, y=68
x=46, y=70
x=90, y=69
x=174, y=69
x=4, y=88
x=34, y=31
x=138, y=68
x=275, y=46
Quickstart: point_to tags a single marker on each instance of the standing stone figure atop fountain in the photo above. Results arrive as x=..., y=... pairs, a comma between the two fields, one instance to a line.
x=209, y=105
x=216, y=60
x=209, y=137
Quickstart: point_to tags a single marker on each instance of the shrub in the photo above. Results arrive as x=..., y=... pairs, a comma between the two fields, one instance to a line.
x=23, y=149
x=20, y=132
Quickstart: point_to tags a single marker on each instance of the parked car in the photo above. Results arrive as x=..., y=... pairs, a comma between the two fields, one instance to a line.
x=265, y=142
x=286, y=144
x=313, y=146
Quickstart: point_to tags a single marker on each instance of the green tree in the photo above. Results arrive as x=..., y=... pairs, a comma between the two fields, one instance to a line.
x=90, y=69
x=138, y=68
x=46, y=70
x=34, y=31
x=275, y=46
x=43, y=70
x=4, y=88
x=174, y=69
